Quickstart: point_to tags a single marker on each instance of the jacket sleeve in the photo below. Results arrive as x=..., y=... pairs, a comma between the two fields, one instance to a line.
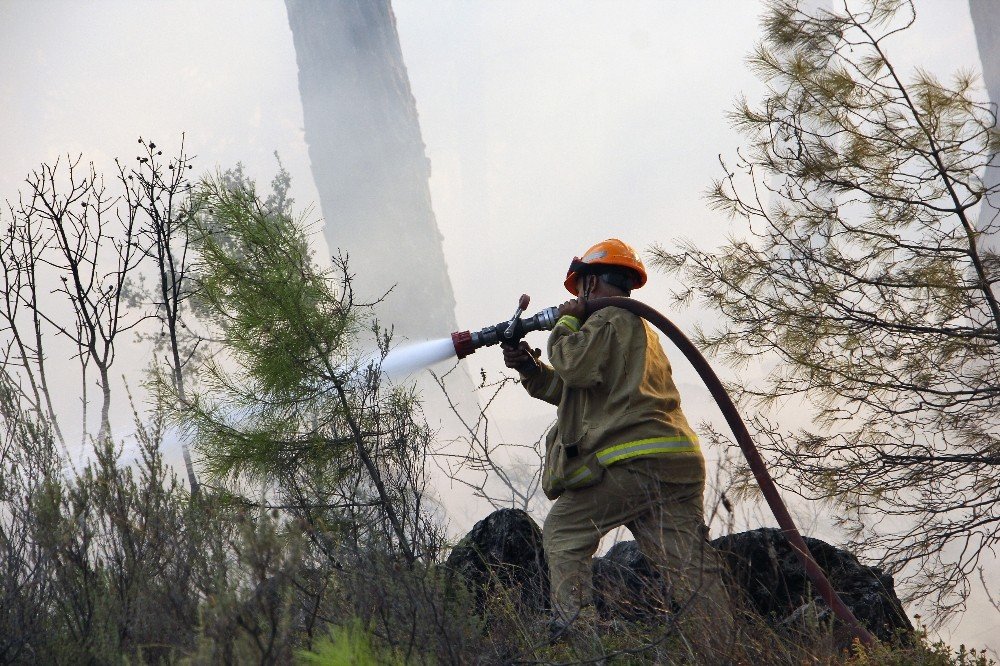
x=545, y=384
x=579, y=354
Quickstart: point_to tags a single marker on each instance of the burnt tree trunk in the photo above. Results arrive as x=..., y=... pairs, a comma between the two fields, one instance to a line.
x=369, y=162
x=986, y=22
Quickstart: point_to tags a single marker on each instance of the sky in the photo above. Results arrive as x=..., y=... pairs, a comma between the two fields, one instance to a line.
x=548, y=128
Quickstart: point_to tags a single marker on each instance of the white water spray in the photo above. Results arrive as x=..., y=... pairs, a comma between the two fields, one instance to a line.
x=401, y=362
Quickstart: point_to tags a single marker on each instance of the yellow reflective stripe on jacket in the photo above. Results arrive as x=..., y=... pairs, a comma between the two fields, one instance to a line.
x=578, y=478
x=646, y=447
x=570, y=322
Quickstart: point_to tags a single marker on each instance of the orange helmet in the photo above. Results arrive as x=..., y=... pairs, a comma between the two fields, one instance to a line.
x=611, y=252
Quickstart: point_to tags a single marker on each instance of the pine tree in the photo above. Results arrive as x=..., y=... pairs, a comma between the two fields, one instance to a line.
x=284, y=403
x=864, y=277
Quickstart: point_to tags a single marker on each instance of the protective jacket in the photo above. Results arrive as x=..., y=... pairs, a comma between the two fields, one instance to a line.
x=616, y=402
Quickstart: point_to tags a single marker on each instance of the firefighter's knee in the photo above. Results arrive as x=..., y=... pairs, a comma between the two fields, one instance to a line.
x=565, y=538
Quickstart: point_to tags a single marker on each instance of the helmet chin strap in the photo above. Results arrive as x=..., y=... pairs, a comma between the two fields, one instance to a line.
x=587, y=288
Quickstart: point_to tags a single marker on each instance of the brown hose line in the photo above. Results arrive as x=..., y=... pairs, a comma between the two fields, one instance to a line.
x=764, y=480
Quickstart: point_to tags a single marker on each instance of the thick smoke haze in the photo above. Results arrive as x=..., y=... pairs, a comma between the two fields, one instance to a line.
x=548, y=127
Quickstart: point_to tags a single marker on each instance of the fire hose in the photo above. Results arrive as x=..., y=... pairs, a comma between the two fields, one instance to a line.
x=511, y=332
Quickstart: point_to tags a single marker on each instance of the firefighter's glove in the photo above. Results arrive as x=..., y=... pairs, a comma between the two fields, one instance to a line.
x=522, y=358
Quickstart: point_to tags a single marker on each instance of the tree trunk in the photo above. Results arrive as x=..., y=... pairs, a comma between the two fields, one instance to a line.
x=986, y=21
x=369, y=162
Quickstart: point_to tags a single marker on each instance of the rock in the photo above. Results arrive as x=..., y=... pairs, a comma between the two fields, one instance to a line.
x=506, y=549
x=772, y=581
x=625, y=584
x=504, y=552
x=768, y=576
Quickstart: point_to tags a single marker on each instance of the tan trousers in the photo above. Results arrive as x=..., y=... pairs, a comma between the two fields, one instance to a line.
x=667, y=520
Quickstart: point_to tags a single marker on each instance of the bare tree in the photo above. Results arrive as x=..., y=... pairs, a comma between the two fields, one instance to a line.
x=24, y=359
x=491, y=469
x=71, y=224
x=69, y=235
x=162, y=192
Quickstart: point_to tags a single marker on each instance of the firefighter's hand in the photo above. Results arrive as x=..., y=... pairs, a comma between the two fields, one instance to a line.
x=574, y=308
x=521, y=358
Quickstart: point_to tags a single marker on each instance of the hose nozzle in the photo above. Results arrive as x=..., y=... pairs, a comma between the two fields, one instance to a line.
x=507, y=332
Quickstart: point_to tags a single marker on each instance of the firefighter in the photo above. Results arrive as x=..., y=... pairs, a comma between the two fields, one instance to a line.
x=621, y=451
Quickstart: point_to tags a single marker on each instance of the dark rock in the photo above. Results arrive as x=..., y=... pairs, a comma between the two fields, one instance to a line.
x=504, y=551
x=626, y=586
x=772, y=581
x=768, y=577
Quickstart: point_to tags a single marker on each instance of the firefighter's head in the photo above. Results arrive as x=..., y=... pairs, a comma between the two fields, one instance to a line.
x=610, y=266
